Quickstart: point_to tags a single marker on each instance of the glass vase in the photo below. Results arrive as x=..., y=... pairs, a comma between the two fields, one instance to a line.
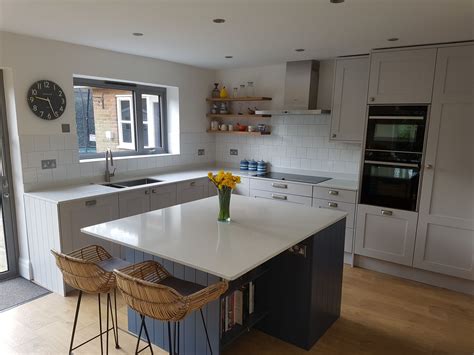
x=224, y=204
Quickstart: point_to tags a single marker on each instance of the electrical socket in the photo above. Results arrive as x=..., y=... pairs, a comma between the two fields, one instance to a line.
x=234, y=152
x=48, y=164
x=201, y=152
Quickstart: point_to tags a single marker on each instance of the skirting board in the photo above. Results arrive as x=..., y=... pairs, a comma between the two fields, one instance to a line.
x=427, y=277
x=348, y=258
x=24, y=268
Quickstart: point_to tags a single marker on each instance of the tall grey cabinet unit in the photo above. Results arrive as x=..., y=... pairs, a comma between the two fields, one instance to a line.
x=445, y=235
x=401, y=76
x=349, y=99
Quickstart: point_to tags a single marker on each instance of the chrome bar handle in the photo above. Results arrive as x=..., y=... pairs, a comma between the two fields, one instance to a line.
x=280, y=197
x=386, y=213
x=332, y=204
x=333, y=192
x=279, y=186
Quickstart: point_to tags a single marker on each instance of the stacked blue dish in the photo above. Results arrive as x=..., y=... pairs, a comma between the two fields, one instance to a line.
x=261, y=167
x=244, y=164
x=252, y=165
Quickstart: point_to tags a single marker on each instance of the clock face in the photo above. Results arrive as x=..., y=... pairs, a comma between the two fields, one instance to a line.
x=46, y=99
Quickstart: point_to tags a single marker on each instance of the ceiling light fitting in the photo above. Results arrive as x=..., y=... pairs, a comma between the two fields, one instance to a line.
x=229, y=56
x=218, y=20
x=336, y=1
x=299, y=50
x=137, y=34
x=393, y=39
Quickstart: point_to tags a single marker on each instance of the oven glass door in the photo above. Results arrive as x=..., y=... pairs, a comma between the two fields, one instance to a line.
x=403, y=135
x=392, y=185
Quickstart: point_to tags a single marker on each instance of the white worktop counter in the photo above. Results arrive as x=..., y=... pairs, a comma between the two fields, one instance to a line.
x=189, y=234
x=69, y=193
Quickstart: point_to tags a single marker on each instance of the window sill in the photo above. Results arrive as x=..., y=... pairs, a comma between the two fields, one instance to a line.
x=130, y=157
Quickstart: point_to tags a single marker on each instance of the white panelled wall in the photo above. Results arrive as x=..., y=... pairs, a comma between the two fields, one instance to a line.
x=63, y=148
x=297, y=142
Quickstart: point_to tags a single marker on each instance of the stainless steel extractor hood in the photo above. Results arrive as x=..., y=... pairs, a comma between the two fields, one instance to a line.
x=301, y=90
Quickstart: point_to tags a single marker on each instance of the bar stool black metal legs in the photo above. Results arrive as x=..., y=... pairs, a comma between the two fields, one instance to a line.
x=143, y=327
x=114, y=327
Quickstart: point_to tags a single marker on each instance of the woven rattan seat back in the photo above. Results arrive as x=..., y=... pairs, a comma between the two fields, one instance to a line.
x=80, y=269
x=142, y=291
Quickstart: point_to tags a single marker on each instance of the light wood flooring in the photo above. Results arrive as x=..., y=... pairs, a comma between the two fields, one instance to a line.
x=380, y=315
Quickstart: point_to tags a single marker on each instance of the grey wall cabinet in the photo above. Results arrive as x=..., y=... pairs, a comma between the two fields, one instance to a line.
x=402, y=76
x=349, y=100
x=445, y=236
x=386, y=234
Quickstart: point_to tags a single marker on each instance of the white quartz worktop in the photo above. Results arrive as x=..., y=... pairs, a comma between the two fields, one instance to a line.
x=68, y=193
x=189, y=234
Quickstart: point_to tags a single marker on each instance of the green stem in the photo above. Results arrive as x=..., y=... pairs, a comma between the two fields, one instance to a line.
x=224, y=204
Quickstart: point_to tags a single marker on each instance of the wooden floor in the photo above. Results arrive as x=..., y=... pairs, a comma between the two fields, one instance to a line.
x=380, y=315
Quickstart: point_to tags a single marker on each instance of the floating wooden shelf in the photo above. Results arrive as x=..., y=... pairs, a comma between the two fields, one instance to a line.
x=217, y=115
x=241, y=132
x=244, y=98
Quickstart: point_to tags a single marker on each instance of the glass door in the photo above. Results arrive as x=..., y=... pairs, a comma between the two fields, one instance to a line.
x=8, y=254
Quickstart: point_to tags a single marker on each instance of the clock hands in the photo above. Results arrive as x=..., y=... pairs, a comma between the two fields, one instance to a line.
x=49, y=102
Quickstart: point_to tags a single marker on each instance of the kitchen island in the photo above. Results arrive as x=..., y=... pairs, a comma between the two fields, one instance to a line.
x=293, y=255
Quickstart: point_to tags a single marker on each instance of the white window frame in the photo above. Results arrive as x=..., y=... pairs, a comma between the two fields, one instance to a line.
x=150, y=122
x=122, y=144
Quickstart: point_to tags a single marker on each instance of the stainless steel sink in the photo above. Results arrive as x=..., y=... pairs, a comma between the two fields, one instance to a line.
x=130, y=183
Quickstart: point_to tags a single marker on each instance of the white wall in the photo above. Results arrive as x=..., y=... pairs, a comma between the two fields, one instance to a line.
x=28, y=59
x=297, y=141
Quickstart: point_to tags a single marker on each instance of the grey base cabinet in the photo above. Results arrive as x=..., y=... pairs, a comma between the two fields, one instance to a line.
x=445, y=236
x=386, y=234
x=192, y=190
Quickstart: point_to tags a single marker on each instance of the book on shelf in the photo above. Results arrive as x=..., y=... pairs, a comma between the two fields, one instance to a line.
x=237, y=307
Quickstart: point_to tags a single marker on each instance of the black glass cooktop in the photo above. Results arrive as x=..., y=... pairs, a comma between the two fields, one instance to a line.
x=294, y=177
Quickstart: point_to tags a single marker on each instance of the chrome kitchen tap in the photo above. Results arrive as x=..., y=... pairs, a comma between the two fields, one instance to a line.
x=108, y=174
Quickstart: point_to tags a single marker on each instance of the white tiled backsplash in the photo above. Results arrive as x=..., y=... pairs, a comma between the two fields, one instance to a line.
x=298, y=142
x=63, y=148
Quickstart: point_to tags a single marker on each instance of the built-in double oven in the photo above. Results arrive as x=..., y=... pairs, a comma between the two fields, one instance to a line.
x=393, y=156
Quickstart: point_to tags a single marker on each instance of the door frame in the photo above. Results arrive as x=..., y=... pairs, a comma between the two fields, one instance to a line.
x=7, y=196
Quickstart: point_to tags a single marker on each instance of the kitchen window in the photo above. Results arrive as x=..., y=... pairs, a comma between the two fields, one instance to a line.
x=127, y=118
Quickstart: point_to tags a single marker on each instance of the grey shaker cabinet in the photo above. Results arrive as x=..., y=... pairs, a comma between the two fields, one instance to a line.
x=349, y=99
x=147, y=199
x=402, y=76
x=386, y=234
x=192, y=190
x=445, y=236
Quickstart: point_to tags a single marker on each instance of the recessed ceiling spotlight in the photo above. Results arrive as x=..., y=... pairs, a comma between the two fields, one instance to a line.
x=393, y=39
x=137, y=34
x=218, y=20
x=299, y=50
x=336, y=1
x=229, y=56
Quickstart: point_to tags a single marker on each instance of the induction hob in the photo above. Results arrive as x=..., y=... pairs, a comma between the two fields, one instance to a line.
x=294, y=177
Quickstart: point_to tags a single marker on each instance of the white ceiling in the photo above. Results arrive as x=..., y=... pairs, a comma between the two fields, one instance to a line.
x=256, y=32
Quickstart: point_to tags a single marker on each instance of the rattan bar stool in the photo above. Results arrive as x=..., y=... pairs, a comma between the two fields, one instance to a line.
x=153, y=292
x=90, y=270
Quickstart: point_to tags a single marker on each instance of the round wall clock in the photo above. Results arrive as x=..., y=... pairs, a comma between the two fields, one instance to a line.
x=46, y=99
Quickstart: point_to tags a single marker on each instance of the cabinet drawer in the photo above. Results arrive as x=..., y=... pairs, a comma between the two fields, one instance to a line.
x=336, y=205
x=283, y=187
x=277, y=196
x=328, y=193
